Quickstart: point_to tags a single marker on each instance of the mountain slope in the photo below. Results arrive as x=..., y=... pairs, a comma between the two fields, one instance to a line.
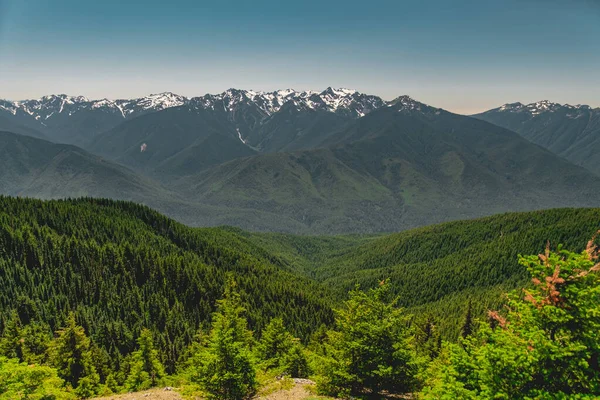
x=34, y=167
x=123, y=267
x=438, y=269
x=295, y=127
x=283, y=120
x=37, y=168
x=572, y=132
x=165, y=134
x=41, y=169
x=313, y=188
x=398, y=167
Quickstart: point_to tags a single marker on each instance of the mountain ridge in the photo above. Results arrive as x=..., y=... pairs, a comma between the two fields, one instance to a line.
x=572, y=132
x=78, y=120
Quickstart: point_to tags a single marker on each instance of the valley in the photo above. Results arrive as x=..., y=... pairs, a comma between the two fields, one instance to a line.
x=313, y=200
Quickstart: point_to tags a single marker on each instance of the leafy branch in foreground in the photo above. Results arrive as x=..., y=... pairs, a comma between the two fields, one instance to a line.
x=544, y=345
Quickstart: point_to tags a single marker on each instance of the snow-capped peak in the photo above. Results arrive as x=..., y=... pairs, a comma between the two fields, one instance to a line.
x=160, y=101
x=341, y=100
x=10, y=106
x=341, y=92
x=407, y=103
x=62, y=97
x=511, y=107
x=332, y=100
x=539, y=107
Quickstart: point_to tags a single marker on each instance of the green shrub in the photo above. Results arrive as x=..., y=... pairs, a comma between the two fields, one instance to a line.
x=370, y=350
x=545, y=345
x=30, y=382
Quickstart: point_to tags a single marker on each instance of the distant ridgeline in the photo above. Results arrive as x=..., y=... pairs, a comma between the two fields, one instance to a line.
x=122, y=267
x=320, y=163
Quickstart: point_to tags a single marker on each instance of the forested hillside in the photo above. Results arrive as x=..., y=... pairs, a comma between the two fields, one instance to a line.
x=440, y=268
x=142, y=285
x=123, y=267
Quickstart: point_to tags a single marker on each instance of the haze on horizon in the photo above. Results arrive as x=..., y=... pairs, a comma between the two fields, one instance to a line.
x=465, y=56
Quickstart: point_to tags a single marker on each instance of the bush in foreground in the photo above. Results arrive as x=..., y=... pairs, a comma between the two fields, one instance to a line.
x=545, y=345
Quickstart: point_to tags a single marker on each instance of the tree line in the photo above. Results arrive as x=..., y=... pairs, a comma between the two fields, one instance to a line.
x=542, y=345
x=102, y=296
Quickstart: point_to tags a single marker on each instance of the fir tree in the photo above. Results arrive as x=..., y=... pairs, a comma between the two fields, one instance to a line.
x=146, y=368
x=275, y=344
x=295, y=362
x=227, y=371
x=544, y=346
x=370, y=347
x=428, y=338
x=467, y=328
x=22, y=381
x=70, y=354
x=10, y=342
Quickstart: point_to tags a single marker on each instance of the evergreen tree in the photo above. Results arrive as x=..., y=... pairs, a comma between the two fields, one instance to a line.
x=10, y=341
x=227, y=371
x=70, y=354
x=146, y=369
x=467, y=328
x=544, y=346
x=112, y=384
x=275, y=344
x=35, y=339
x=428, y=338
x=370, y=348
x=295, y=362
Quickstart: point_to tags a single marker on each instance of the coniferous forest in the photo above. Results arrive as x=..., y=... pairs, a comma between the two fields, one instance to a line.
x=101, y=296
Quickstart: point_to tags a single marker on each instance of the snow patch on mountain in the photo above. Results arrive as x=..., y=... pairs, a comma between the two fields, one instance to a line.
x=545, y=106
x=240, y=136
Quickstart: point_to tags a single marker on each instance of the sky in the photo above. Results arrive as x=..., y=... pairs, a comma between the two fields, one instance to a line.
x=462, y=55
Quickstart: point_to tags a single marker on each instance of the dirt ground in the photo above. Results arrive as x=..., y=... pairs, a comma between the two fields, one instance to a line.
x=154, y=394
x=298, y=392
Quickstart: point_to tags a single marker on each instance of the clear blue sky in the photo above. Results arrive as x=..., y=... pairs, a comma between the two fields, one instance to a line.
x=462, y=55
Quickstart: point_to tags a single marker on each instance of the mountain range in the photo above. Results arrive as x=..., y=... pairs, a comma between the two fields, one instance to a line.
x=335, y=161
x=77, y=120
x=572, y=132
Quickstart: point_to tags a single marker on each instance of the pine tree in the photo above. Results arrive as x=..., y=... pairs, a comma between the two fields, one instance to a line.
x=227, y=371
x=467, y=328
x=10, y=342
x=146, y=369
x=275, y=344
x=70, y=354
x=370, y=348
x=295, y=362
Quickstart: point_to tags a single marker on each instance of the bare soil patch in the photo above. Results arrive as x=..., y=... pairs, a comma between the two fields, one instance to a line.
x=153, y=394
